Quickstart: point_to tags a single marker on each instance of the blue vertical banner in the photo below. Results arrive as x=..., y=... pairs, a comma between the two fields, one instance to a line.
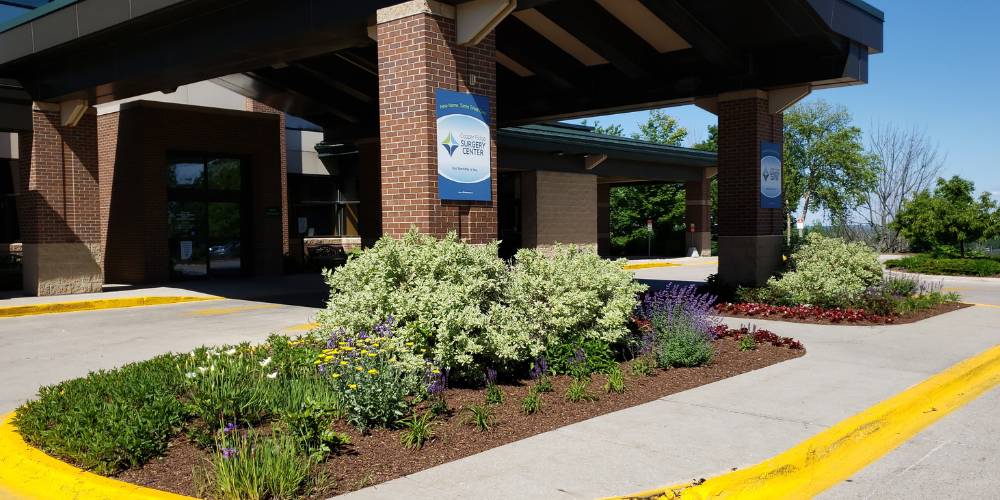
x=770, y=175
x=463, y=132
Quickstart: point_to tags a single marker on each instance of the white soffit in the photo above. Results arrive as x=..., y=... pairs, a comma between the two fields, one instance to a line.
x=516, y=67
x=647, y=25
x=560, y=37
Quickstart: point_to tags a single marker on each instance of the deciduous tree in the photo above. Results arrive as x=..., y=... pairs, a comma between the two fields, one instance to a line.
x=950, y=215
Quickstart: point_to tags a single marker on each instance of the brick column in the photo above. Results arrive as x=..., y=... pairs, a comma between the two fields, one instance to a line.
x=697, y=217
x=750, y=240
x=417, y=53
x=59, y=205
x=603, y=220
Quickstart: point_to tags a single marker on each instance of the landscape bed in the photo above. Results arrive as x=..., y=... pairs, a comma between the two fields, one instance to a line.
x=821, y=316
x=378, y=456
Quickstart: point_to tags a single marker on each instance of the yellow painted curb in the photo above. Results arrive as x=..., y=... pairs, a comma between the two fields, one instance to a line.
x=650, y=265
x=835, y=454
x=219, y=311
x=27, y=473
x=986, y=305
x=96, y=304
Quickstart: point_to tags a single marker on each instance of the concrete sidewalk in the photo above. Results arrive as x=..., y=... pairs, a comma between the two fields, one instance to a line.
x=741, y=421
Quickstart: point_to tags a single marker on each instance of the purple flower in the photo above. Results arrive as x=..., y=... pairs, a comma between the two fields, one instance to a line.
x=230, y=427
x=321, y=368
x=676, y=304
x=491, y=376
x=438, y=382
x=228, y=453
x=539, y=368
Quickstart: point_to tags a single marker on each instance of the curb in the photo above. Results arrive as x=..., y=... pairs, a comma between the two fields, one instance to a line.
x=28, y=473
x=833, y=455
x=633, y=267
x=97, y=304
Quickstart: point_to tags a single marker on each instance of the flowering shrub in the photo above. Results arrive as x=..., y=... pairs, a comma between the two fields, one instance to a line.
x=369, y=373
x=569, y=296
x=827, y=272
x=469, y=309
x=440, y=293
x=758, y=336
x=835, y=315
x=676, y=326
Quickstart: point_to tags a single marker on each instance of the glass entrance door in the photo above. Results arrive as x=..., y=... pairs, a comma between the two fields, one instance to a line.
x=204, y=217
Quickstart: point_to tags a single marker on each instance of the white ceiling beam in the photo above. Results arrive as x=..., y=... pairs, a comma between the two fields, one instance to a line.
x=560, y=37
x=476, y=19
x=591, y=161
x=646, y=24
x=70, y=112
x=516, y=67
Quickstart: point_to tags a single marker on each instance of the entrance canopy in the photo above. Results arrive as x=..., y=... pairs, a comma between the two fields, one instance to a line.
x=555, y=58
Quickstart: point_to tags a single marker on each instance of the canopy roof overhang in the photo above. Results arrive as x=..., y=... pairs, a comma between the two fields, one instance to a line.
x=556, y=58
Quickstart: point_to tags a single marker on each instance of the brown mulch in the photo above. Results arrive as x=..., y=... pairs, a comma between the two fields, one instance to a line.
x=896, y=320
x=378, y=457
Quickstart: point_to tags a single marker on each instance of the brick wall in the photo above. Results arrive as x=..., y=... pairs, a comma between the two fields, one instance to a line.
x=416, y=55
x=561, y=207
x=743, y=124
x=134, y=146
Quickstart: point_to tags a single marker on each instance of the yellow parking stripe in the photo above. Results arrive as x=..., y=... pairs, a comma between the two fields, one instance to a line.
x=838, y=452
x=97, y=304
x=219, y=311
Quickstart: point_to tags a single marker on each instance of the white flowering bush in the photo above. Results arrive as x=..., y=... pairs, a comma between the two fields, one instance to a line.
x=438, y=293
x=570, y=294
x=463, y=307
x=828, y=272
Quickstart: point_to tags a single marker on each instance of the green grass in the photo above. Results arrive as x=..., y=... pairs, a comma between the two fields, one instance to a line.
x=926, y=264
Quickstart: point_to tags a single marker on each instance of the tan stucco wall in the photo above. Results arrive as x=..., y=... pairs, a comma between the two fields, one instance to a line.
x=559, y=207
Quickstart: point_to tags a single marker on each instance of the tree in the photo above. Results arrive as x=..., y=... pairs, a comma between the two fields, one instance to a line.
x=951, y=215
x=825, y=163
x=632, y=205
x=906, y=163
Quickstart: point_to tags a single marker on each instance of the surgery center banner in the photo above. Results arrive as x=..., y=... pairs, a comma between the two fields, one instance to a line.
x=770, y=175
x=463, y=132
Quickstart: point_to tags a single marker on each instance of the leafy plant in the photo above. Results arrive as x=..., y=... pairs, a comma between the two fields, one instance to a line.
x=683, y=348
x=417, y=430
x=109, y=420
x=228, y=385
x=615, y=382
x=578, y=392
x=580, y=357
x=747, y=343
x=311, y=426
x=544, y=384
x=494, y=395
x=641, y=367
x=531, y=404
x=828, y=272
x=927, y=264
x=255, y=466
x=481, y=416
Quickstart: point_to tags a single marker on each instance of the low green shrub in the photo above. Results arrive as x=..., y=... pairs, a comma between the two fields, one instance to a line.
x=109, y=420
x=255, y=466
x=480, y=416
x=926, y=264
x=311, y=426
x=615, y=381
x=543, y=385
x=580, y=357
x=641, y=367
x=531, y=404
x=417, y=430
x=579, y=391
x=747, y=343
x=494, y=395
x=683, y=348
x=828, y=272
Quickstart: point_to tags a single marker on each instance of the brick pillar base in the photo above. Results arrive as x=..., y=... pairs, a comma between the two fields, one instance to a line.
x=697, y=218
x=417, y=54
x=750, y=240
x=59, y=205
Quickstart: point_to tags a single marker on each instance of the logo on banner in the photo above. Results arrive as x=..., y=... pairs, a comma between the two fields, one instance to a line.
x=450, y=144
x=770, y=175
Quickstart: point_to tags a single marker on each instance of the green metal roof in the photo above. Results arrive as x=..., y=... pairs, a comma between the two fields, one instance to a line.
x=35, y=13
x=582, y=139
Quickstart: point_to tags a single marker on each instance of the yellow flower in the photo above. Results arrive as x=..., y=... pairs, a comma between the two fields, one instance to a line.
x=409, y=344
x=358, y=368
x=435, y=371
x=318, y=362
x=336, y=375
x=373, y=372
x=348, y=348
x=341, y=343
x=352, y=386
x=372, y=355
x=364, y=351
x=375, y=344
x=343, y=363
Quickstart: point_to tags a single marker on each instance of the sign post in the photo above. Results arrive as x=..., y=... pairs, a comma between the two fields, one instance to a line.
x=464, y=146
x=649, y=237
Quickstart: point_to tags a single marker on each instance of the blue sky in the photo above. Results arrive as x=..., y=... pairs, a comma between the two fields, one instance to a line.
x=940, y=71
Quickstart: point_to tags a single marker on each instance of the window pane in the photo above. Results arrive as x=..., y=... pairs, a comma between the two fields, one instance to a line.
x=224, y=173
x=185, y=174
